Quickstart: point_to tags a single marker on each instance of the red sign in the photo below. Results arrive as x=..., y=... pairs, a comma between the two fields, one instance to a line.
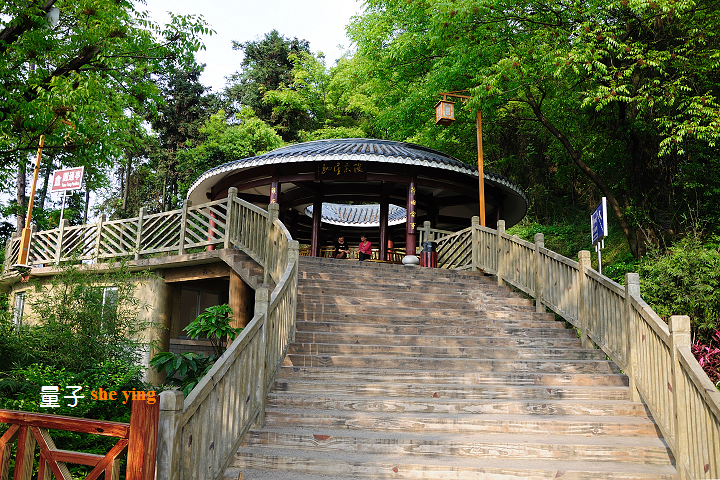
x=65, y=180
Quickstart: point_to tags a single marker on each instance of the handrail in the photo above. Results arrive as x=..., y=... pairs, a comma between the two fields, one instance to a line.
x=173, y=232
x=139, y=438
x=655, y=356
x=199, y=435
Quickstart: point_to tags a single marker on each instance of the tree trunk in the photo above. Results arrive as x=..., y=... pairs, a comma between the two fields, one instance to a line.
x=20, y=185
x=630, y=234
x=87, y=202
x=42, y=194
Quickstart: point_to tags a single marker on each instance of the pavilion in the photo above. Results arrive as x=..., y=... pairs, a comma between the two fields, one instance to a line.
x=381, y=188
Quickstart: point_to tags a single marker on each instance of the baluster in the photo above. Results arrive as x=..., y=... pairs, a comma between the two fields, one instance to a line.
x=262, y=302
x=475, y=242
x=138, y=236
x=169, y=434
x=183, y=226
x=230, y=216
x=680, y=338
x=539, y=277
x=500, y=252
x=583, y=300
x=58, y=247
x=98, y=237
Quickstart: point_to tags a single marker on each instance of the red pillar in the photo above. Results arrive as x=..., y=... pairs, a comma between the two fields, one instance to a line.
x=274, y=190
x=411, y=222
x=317, y=216
x=384, y=208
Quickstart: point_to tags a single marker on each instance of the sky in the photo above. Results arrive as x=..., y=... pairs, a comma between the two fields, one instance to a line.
x=320, y=22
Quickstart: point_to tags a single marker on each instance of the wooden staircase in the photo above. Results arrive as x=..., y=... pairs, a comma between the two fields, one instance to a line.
x=406, y=372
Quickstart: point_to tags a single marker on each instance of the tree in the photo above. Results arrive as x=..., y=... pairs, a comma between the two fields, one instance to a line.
x=267, y=66
x=84, y=82
x=626, y=92
x=221, y=141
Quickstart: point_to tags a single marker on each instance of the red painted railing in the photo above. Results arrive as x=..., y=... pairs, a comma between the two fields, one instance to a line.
x=139, y=438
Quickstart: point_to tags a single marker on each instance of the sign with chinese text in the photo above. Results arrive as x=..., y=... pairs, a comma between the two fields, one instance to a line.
x=336, y=168
x=66, y=180
x=598, y=222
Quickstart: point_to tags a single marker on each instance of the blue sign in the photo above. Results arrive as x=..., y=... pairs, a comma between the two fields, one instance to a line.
x=598, y=222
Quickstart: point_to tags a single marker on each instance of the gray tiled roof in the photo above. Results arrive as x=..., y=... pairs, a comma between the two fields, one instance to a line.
x=362, y=149
x=358, y=215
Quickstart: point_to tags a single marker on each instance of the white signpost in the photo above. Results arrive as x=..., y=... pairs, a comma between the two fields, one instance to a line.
x=65, y=181
x=599, y=229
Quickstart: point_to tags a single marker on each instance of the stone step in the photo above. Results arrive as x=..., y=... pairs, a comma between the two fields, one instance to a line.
x=387, y=362
x=404, y=282
x=426, y=340
x=435, y=331
x=460, y=424
x=364, y=350
x=336, y=287
x=496, y=317
x=409, y=275
x=471, y=378
x=422, y=310
x=487, y=319
x=254, y=463
x=443, y=302
x=314, y=263
x=458, y=406
x=443, y=391
x=639, y=450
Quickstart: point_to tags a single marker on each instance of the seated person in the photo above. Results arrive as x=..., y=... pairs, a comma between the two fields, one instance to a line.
x=341, y=248
x=365, y=248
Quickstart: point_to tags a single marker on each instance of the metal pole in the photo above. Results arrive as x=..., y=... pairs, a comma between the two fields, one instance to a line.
x=481, y=170
x=25, y=239
x=62, y=209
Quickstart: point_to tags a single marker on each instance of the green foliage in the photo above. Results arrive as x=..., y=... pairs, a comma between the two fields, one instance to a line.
x=214, y=324
x=685, y=281
x=221, y=141
x=267, y=65
x=81, y=318
x=187, y=369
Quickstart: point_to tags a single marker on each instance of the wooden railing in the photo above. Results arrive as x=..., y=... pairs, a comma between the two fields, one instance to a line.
x=31, y=430
x=656, y=356
x=199, y=435
x=174, y=232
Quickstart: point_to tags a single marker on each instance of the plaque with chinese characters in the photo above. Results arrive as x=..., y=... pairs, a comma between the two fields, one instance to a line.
x=341, y=168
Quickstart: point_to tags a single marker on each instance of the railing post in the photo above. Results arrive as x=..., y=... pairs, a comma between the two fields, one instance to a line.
x=500, y=252
x=8, y=261
x=138, y=237
x=98, y=236
x=273, y=211
x=679, y=337
x=539, y=273
x=61, y=233
x=262, y=302
x=142, y=445
x=169, y=434
x=230, y=216
x=183, y=226
x=293, y=256
x=632, y=290
x=584, y=261
x=475, y=243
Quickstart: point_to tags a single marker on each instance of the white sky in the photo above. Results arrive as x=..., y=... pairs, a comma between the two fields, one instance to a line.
x=320, y=22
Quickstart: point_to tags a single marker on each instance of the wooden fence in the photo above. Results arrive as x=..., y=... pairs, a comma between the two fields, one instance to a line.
x=656, y=356
x=199, y=435
x=31, y=430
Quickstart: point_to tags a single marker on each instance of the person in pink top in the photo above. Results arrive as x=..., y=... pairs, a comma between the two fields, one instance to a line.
x=364, y=250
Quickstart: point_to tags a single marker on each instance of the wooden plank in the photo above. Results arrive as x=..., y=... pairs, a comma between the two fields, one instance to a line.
x=198, y=272
x=71, y=424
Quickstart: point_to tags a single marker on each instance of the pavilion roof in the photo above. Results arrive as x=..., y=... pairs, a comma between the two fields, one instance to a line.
x=362, y=149
x=358, y=215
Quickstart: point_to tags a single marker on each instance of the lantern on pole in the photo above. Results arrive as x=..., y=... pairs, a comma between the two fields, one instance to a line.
x=444, y=112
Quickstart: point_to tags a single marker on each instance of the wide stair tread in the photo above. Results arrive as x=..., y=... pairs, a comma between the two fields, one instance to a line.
x=400, y=372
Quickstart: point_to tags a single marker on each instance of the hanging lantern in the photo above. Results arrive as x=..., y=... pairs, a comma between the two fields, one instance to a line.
x=444, y=113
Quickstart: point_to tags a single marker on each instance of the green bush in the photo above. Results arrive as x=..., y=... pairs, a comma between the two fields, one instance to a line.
x=685, y=280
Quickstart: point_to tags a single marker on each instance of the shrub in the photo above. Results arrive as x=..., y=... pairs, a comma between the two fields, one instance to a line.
x=685, y=281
